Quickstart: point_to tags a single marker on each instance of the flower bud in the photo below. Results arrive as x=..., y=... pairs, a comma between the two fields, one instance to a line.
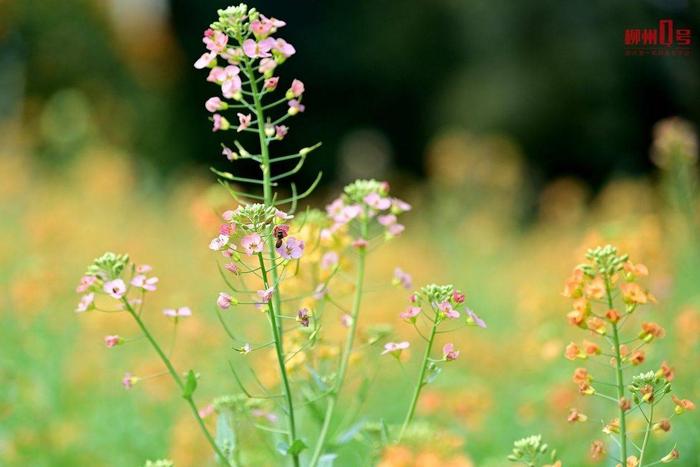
x=269, y=130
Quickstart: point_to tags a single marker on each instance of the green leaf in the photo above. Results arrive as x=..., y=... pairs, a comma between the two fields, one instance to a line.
x=190, y=385
x=296, y=447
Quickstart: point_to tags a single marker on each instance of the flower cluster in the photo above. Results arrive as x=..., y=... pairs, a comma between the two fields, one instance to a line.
x=531, y=450
x=608, y=279
x=362, y=201
x=241, y=43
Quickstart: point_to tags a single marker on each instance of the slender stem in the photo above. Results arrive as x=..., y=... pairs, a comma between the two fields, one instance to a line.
x=646, y=435
x=347, y=350
x=178, y=380
x=619, y=378
x=421, y=380
x=272, y=313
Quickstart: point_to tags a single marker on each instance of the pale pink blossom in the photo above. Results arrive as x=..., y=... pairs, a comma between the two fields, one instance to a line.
x=230, y=154
x=217, y=75
x=398, y=206
x=402, y=278
x=271, y=83
x=260, y=413
x=227, y=229
x=360, y=243
x=243, y=121
x=232, y=54
x=258, y=49
x=181, y=312
x=224, y=300
x=303, y=317
x=447, y=310
x=206, y=411
x=457, y=296
x=346, y=320
x=449, y=353
x=261, y=29
x=112, y=341
x=296, y=89
x=128, y=380
x=267, y=65
x=228, y=215
x=291, y=249
x=252, y=243
x=231, y=87
x=281, y=131
x=274, y=22
x=265, y=295
x=218, y=243
x=395, y=348
x=115, y=288
x=283, y=215
x=411, y=313
x=206, y=60
x=143, y=269
x=145, y=283
x=231, y=267
x=375, y=201
x=395, y=229
x=329, y=260
x=473, y=318
x=387, y=220
x=85, y=303
x=220, y=123
x=85, y=283
x=295, y=107
x=284, y=48
x=215, y=40
x=320, y=291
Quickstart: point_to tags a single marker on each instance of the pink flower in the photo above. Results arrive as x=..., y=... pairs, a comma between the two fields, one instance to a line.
x=449, y=353
x=220, y=123
x=181, y=312
x=231, y=87
x=228, y=215
x=85, y=303
x=267, y=65
x=398, y=206
x=395, y=229
x=303, y=317
x=265, y=295
x=252, y=243
x=283, y=215
x=215, y=40
x=457, y=296
x=205, y=411
x=232, y=54
x=85, y=283
x=474, y=319
x=227, y=229
x=296, y=90
x=402, y=278
x=115, y=288
x=447, y=310
x=218, y=243
x=224, y=301
x=243, y=121
x=395, y=348
x=128, y=380
x=284, y=48
x=261, y=29
x=411, y=313
x=217, y=75
x=295, y=107
x=329, y=260
x=258, y=49
x=229, y=153
x=271, y=83
x=112, y=341
x=214, y=103
x=143, y=268
x=360, y=243
x=375, y=201
x=291, y=249
x=145, y=283
x=387, y=220
x=274, y=22
x=206, y=60
x=281, y=131
x=346, y=320
x=320, y=291
x=231, y=267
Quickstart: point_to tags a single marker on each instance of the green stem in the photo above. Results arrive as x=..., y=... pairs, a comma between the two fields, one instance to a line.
x=619, y=378
x=421, y=381
x=646, y=436
x=177, y=379
x=279, y=350
x=347, y=350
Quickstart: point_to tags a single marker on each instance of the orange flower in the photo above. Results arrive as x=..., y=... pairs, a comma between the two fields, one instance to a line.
x=576, y=318
x=682, y=405
x=572, y=352
x=576, y=416
x=662, y=425
x=634, y=294
x=591, y=348
x=612, y=427
x=597, y=450
x=650, y=331
x=613, y=316
x=671, y=456
x=624, y=404
x=586, y=389
x=666, y=371
x=595, y=289
x=636, y=270
x=572, y=286
x=636, y=357
x=647, y=392
x=581, y=376
x=596, y=325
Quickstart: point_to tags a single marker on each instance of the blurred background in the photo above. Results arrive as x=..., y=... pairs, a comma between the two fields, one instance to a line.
x=520, y=131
